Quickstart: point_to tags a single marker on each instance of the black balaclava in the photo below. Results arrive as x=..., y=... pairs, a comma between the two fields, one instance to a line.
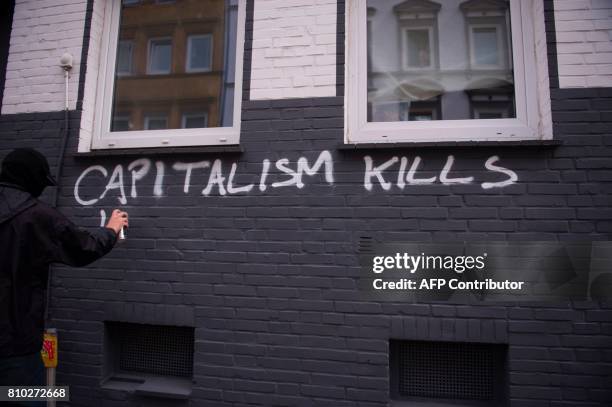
x=28, y=169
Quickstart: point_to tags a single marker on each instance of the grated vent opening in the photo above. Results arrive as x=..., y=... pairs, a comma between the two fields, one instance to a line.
x=153, y=349
x=455, y=371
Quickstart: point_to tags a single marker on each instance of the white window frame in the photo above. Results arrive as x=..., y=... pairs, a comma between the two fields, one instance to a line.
x=188, y=67
x=103, y=138
x=500, y=48
x=130, y=70
x=150, y=70
x=186, y=116
x=432, y=61
x=530, y=123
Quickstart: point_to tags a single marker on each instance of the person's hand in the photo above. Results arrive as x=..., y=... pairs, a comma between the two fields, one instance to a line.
x=118, y=220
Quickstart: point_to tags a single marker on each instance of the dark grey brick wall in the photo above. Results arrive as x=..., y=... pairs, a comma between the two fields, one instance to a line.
x=268, y=279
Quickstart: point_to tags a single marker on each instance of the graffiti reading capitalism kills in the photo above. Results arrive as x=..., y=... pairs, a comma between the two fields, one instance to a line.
x=400, y=172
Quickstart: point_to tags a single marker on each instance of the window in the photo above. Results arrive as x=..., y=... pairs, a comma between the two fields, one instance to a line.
x=417, y=48
x=121, y=122
x=151, y=92
x=448, y=373
x=417, y=24
x=464, y=71
x=156, y=122
x=160, y=56
x=124, y=57
x=488, y=30
x=194, y=120
x=199, y=53
x=484, y=46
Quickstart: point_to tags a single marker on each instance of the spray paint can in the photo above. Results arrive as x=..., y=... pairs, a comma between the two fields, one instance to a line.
x=49, y=357
x=49, y=348
x=122, y=235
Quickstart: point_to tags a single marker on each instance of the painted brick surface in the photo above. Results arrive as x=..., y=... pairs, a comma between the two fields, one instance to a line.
x=584, y=42
x=42, y=31
x=268, y=276
x=294, y=49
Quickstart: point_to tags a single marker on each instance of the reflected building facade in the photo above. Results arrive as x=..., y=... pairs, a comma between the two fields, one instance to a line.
x=447, y=60
x=174, y=65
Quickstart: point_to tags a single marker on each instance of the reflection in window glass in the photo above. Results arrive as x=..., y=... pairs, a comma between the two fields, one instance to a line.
x=454, y=58
x=199, y=53
x=490, y=115
x=160, y=56
x=124, y=58
x=156, y=122
x=121, y=123
x=418, y=51
x=194, y=120
x=485, y=46
x=164, y=47
x=421, y=117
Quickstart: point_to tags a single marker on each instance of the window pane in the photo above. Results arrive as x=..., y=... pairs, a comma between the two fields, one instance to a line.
x=438, y=60
x=121, y=123
x=485, y=46
x=199, y=52
x=156, y=122
x=124, y=57
x=163, y=47
x=194, y=120
x=418, y=48
x=160, y=56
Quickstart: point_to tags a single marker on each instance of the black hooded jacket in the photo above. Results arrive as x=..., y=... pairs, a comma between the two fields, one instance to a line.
x=33, y=235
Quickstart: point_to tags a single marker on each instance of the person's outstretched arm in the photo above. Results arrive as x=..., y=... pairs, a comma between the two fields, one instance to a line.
x=78, y=247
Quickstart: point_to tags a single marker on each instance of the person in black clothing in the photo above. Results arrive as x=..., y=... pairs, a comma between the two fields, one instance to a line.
x=32, y=236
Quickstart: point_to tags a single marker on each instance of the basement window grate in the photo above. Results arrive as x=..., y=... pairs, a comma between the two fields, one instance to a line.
x=447, y=370
x=152, y=349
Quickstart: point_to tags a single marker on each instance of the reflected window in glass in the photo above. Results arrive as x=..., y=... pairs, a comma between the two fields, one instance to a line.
x=160, y=56
x=199, y=53
x=124, y=57
x=156, y=122
x=194, y=120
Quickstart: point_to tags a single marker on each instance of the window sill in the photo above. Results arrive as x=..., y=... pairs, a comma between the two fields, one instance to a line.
x=450, y=144
x=231, y=148
x=150, y=386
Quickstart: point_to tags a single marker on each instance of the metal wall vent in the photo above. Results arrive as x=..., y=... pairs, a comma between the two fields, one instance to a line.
x=152, y=349
x=366, y=244
x=452, y=371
